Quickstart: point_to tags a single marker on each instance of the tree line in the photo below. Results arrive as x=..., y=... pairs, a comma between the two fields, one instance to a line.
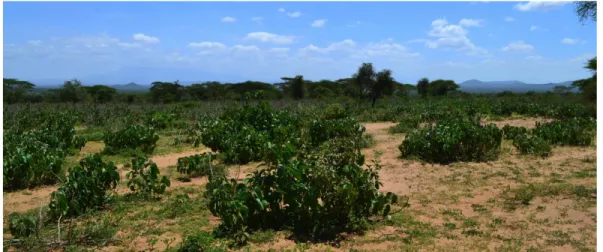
x=367, y=84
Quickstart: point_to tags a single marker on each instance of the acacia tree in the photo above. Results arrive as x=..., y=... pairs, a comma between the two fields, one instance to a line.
x=14, y=89
x=588, y=87
x=423, y=87
x=372, y=84
x=101, y=93
x=586, y=10
x=297, y=87
x=72, y=91
x=166, y=91
x=442, y=87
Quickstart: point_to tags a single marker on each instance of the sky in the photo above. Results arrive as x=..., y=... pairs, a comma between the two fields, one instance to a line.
x=122, y=42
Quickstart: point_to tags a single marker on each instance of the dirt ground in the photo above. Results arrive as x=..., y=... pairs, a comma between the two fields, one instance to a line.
x=462, y=206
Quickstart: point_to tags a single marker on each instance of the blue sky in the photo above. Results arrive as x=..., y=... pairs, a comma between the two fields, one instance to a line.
x=119, y=42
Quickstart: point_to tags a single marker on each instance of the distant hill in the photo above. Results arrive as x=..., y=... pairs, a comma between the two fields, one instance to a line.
x=477, y=86
x=131, y=87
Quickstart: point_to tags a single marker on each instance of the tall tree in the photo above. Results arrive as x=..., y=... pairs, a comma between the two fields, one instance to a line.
x=166, y=92
x=442, y=87
x=298, y=87
x=374, y=85
x=101, y=93
x=72, y=91
x=14, y=89
x=423, y=87
x=586, y=10
x=588, y=87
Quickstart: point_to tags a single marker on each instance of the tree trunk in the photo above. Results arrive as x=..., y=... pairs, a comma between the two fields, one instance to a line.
x=374, y=100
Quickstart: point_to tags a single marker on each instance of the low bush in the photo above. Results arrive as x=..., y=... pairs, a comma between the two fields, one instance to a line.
x=144, y=179
x=87, y=186
x=532, y=145
x=132, y=138
x=573, y=132
x=199, y=165
x=511, y=132
x=319, y=195
x=453, y=140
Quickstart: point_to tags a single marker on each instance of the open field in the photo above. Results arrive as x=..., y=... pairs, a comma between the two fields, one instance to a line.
x=514, y=202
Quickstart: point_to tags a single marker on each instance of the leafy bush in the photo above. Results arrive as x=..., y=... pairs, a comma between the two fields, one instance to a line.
x=34, y=150
x=160, y=120
x=532, y=145
x=334, y=111
x=201, y=241
x=511, y=132
x=199, y=165
x=573, y=132
x=320, y=196
x=405, y=125
x=85, y=188
x=144, y=178
x=21, y=226
x=29, y=162
x=135, y=137
x=453, y=140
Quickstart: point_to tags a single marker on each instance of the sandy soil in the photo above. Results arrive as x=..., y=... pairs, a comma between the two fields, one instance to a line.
x=469, y=196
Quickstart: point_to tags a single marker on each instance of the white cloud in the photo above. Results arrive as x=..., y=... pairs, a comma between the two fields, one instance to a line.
x=228, y=20
x=145, y=38
x=387, y=49
x=294, y=14
x=281, y=9
x=583, y=58
x=509, y=19
x=354, y=24
x=539, y=5
x=207, y=45
x=471, y=22
x=257, y=19
x=345, y=45
x=348, y=48
x=450, y=36
x=518, y=46
x=269, y=38
x=34, y=42
x=243, y=48
x=533, y=28
x=570, y=41
x=534, y=57
x=280, y=50
x=129, y=45
x=319, y=23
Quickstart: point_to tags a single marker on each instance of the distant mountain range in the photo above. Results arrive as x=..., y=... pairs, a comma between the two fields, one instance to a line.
x=470, y=86
x=477, y=86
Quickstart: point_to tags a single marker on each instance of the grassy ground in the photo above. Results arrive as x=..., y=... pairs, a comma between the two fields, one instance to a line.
x=517, y=203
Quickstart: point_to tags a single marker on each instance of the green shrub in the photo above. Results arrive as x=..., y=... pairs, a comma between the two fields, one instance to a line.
x=511, y=132
x=201, y=241
x=21, y=226
x=405, y=125
x=320, y=195
x=199, y=165
x=533, y=145
x=136, y=137
x=144, y=178
x=334, y=111
x=86, y=187
x=573, y=132
x=453, y=140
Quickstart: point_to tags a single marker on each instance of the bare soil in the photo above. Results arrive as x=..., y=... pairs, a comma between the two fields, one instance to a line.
x=462, y=206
